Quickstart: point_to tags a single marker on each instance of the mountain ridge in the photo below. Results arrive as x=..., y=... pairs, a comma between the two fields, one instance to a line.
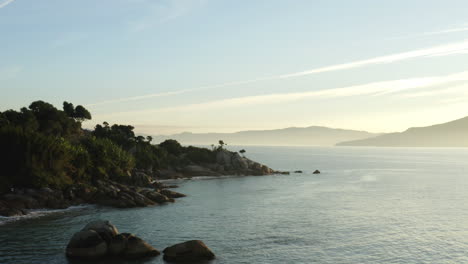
x=450, y=134
x=289, y=136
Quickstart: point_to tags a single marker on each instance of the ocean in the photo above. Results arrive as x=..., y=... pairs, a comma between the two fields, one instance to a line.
x=369, y=205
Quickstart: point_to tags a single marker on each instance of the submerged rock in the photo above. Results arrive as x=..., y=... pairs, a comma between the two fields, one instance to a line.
x=190, y=251
x=298, y=171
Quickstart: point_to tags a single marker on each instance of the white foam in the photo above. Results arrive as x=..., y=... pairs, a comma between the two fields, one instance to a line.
x=35, y=213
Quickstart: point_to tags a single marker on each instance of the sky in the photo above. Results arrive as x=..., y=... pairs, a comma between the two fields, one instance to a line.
x=169, y=66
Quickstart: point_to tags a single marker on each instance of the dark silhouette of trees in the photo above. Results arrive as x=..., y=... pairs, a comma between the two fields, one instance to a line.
x=79, y=113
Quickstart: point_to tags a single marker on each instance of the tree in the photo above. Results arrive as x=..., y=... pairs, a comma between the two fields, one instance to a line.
x=242, y=151
x=221, y=145
x=69, y=109
x=172, y=146
x=81, y=113
x=149, y=138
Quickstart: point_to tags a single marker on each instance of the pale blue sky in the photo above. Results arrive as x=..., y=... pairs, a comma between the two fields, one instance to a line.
x=169, y=66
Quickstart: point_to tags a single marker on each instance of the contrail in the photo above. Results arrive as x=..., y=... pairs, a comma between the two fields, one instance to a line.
x=443, y=50
x=5, y=3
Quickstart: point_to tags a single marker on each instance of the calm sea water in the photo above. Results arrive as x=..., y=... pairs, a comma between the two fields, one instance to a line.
x=369, y=205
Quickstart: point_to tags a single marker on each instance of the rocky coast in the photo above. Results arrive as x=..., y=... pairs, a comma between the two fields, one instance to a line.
x=143, y=188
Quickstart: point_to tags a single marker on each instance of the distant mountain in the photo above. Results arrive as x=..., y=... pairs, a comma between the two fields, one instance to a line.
x=293, y=136
x=451, y=134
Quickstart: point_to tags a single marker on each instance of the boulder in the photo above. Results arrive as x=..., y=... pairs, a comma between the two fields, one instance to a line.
x=141, y=179
x=156, y=197
x=168, y=174
x=196, y=170
x=223, y=157
x=100, y=239
x=86, y=244
x=172, y=194
x=140, y=200
x=7, y=210
x=190, y=251
x=118, y=244
x=104, y=228
x=238, y=162
x=137, y=248
x=316, y=172
x=298, y=171
x=20, y=201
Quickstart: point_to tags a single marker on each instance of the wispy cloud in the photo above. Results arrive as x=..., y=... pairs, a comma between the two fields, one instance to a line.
x=370, y=89
x=447, y=31
x=452, y=90
x=162, y=94
x=5, y=3
x=442, y=50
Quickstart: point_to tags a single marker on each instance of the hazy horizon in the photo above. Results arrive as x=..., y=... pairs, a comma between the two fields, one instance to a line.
x=173, y=66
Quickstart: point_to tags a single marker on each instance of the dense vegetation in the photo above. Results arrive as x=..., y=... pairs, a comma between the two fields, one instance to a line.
x=43, y=146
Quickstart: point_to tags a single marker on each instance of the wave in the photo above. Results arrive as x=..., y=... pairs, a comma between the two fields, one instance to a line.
x=35, y=213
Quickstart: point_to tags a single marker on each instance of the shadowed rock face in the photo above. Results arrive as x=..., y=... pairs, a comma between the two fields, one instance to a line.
x=86, y=244
x=188, y=252
x=100, y=239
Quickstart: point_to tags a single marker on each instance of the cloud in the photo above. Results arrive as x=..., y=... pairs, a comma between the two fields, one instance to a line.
x=442, y=50
x=5, y=3
x=370, y=89
x=456, y=89
x=452, y=30
x=148, y=96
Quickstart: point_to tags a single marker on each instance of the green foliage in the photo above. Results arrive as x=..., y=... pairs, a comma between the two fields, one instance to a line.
x=31, y=159
x=69, y=109
x=200, y=155
x=81, y=113
x=43, y=146
x=172, y=147
x=108, y=161
x=122, y=135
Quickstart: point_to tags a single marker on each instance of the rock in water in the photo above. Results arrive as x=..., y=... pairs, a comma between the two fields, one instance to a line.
x=100, y=239
x=316, y=172
x=137, y=248
x=190, y=251
x=118, y=244
x=172, y=194
x=104, y=228
x=86, y=245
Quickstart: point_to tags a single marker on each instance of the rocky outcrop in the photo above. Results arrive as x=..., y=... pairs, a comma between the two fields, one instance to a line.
x=226, y=163
x=100, y=239
x=172, y=194
x=188, y=252
x=106, y=193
